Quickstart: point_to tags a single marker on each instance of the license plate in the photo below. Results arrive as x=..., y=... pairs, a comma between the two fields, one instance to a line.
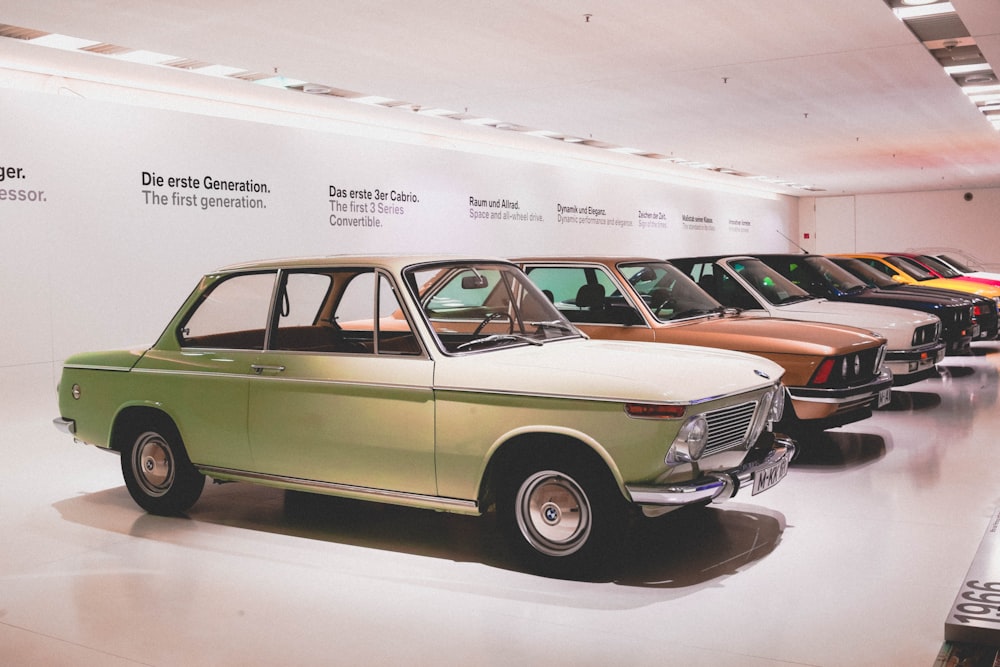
x=884, y=397
x=765, y=478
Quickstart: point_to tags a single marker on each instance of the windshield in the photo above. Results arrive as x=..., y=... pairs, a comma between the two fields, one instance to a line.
x=767, y=282
x=956, y=264
x=477, y=306
x=668, y=292
x=868, y=274
x=836, y=276
x=939, y=267
x=911, y=268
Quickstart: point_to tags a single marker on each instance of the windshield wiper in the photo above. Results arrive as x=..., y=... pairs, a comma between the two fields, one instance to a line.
x=693, y=312
x=496, y=338
x=796, y=298
x=552, y=324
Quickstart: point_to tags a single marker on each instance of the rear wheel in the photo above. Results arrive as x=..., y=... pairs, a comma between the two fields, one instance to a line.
x=563, y=516
x=158, y=474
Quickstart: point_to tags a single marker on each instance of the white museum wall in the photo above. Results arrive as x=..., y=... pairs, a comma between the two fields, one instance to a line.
x=99, y=253
x=963, y=220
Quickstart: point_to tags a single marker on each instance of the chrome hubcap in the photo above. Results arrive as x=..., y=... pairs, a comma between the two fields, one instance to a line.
x=153, y=464
x=553, y=513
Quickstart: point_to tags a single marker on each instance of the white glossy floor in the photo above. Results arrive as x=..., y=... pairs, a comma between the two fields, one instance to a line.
x=855, y=559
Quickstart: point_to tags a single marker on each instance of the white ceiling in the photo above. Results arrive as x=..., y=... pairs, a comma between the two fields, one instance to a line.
x=834, y=94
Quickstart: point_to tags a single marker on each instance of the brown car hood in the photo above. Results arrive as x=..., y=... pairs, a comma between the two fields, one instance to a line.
x=771, y=336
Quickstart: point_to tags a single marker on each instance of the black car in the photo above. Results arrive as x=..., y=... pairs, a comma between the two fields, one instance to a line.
x=821, y=277
x=985, y=310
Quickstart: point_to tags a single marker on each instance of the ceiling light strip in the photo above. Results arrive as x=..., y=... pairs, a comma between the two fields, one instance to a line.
x=277, y=80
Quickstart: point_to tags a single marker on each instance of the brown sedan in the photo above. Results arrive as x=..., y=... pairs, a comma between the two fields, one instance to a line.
x=833, y=373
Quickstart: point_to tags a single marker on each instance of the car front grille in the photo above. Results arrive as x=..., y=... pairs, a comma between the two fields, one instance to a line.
x=926, y=334
x=728, y=427
x=957, y=317
x=855, y=368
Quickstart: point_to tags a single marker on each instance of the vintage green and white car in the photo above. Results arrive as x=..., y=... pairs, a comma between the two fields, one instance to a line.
x=447, y=384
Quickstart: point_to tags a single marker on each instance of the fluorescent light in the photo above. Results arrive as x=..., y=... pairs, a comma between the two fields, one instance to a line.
x=981, y=90
x=482, y=121
x=904, y=13
x=374, y=100
x=280, y=82
x=543, y=133
x=437, y=112
x=218, y=70
x=968, y=69
x=144, y=57
x=64, y=42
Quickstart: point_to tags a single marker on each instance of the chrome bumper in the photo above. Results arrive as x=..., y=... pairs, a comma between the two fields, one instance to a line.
x=65, y=425
x=715, y=487
x=853, y=395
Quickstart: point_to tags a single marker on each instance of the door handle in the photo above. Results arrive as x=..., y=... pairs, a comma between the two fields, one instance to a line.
x=258, y=369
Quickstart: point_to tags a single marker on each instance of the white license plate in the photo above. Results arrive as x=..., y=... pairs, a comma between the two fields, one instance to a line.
x=884, y=397
x=765, y=478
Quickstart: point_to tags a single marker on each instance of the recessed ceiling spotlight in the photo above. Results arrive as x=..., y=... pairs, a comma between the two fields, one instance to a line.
x=976, y=79
x=915, y=3
x=316, y=89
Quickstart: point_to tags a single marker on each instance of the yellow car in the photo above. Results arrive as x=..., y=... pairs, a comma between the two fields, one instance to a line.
x=908, y=272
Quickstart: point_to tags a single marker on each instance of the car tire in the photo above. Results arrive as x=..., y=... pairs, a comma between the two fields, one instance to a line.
x=562, y=517
x=158, y=474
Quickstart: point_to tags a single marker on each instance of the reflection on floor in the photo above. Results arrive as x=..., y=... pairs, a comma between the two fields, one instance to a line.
x=854, y=559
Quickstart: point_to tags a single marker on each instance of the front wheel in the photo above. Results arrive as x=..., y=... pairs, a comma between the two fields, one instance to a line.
x=563, y=517
x=158, y=474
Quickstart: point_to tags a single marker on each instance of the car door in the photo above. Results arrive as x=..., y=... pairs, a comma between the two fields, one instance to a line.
x=204, y=378
x=343, y=392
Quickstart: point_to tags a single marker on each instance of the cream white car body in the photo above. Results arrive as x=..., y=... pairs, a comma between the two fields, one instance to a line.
x=446, y=384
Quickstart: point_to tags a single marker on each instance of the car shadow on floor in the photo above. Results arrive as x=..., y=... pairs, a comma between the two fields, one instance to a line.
x=687, y=548
x=836, y=450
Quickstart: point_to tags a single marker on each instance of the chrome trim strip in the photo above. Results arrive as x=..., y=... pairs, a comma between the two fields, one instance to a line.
x=88, y=367
x=385, y=495
x=913, y=354
x=467, y=390
x=608, y=399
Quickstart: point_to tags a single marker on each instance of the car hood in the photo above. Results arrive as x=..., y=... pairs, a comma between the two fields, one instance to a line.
x=609, y=370
x=905, y=299
x=896, y=325
x=771, y=335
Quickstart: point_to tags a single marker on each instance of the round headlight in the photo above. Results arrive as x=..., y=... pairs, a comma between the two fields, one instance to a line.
x=778, y=404
x=690, y=441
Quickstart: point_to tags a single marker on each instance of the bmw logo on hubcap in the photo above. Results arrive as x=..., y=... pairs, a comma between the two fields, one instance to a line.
x=551, y=514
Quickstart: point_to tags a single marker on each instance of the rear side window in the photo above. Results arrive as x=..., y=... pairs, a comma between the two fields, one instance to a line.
x=233, y=315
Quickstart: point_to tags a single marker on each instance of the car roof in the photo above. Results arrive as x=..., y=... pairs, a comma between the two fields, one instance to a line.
x=584, y=259
x=392, y=262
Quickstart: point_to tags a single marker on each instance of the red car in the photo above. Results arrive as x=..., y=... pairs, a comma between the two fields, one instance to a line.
x=942, y=270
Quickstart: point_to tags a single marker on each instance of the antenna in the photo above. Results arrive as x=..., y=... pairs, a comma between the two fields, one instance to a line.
x=804, y=251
